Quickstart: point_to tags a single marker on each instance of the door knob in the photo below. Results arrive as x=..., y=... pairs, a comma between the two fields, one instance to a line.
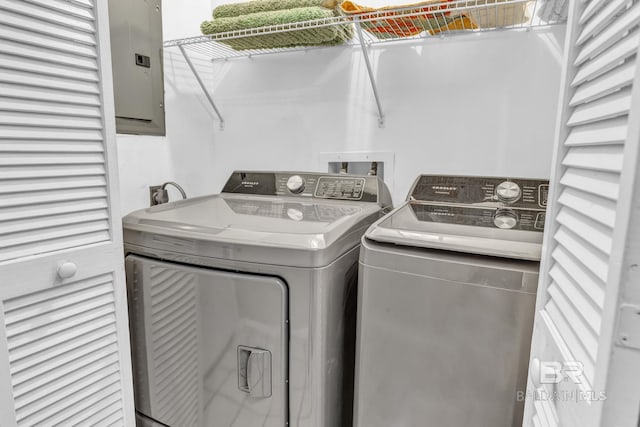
x=534, y=372
x=67, y=270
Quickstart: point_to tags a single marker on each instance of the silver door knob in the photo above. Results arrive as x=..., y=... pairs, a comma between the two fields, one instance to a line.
x=67, y=270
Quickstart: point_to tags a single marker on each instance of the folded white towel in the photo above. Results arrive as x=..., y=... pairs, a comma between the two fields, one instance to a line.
x=553, y=10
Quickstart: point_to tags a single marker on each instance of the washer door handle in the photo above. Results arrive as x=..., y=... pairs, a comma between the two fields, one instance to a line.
x=254, y=371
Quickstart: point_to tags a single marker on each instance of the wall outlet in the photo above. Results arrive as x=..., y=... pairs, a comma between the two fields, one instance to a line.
x=152, y=192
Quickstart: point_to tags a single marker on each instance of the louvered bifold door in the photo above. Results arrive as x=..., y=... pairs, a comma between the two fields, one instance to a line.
x=582, y=250
x=64, y=346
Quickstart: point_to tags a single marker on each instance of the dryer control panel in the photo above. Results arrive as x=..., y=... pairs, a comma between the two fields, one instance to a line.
x=308, y=185
x=329, y=187
x=466, y=190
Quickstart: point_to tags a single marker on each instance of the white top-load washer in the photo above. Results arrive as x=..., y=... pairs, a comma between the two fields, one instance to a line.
x=446, y=299
x=242, y=305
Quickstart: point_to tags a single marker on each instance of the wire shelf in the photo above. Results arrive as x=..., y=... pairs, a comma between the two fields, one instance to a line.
x=364, y=27
x=378, y=26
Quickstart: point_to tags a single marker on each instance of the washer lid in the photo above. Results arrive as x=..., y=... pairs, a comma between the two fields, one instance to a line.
x=265, y=229
x=461, y=228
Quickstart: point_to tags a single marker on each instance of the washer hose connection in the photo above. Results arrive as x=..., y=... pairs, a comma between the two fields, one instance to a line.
x=162, y=195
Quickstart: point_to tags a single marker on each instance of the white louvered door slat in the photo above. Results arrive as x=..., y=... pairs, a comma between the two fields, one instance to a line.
x=602, y=41
x=597, y=183
x=609, y=83
x=591, y=9
x=598, y=133
x=50, y=69
x=609, y=59
x=587, y=280
x=52, y=58
x=608, y=107
x=577, y=295
x=599, y=236
x=64, y=342
x=600, y=21
x=606, y=158
x=575, y=311
x=28, y=106
x=42, y=12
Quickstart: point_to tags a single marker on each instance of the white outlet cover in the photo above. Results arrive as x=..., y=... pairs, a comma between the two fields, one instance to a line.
x=387, y=157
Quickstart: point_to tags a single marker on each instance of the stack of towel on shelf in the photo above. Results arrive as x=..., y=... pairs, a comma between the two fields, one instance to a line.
x=429, y=16
x=263, y=13
x=408, y=20
x=436, y=16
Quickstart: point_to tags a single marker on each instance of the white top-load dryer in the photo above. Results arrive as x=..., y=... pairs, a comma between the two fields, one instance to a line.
x=242, y=305
x=446, y=300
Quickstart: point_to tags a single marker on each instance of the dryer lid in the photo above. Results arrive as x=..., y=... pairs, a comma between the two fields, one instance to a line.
x=470, y=229
x=274, y=230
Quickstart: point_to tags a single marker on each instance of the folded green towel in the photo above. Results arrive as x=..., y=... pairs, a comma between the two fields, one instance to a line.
x=329, y=35
x=288, y=39
x=263, y=19
x=237, y=9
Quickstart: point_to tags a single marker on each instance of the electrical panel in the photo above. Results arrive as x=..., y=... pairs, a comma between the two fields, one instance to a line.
x=136, y=55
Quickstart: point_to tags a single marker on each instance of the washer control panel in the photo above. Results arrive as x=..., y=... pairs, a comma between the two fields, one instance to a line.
x=504, y=203
x=514, y=192
x=505, y=218
x=305, y=185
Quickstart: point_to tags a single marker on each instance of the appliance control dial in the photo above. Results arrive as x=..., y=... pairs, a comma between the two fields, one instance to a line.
x=508, y=192
x=295, y=184
x=505, y=219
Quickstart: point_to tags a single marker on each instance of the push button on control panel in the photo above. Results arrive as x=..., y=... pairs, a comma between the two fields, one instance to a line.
x=543, y=194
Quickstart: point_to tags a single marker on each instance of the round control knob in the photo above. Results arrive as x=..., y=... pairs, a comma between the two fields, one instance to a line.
x=508, y=192
x=67, y=270
x=505, y=218
x=295, y=184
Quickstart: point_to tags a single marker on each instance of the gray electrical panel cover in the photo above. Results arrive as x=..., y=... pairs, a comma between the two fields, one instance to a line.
x=136, y=51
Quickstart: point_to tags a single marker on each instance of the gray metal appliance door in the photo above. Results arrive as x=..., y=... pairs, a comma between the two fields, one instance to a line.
x=209, y=347
x=435, y=352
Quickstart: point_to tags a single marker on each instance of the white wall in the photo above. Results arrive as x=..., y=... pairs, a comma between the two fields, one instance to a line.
x=187, y=153
x=478, y=104
x=474, y=103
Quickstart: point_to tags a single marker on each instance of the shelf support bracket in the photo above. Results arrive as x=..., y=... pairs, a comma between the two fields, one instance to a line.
x=202, y=85
x=367, y=61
